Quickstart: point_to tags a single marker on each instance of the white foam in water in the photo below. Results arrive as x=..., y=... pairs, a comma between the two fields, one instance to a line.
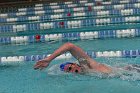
x=118, y=72
x=131, y=76
x=55, y=70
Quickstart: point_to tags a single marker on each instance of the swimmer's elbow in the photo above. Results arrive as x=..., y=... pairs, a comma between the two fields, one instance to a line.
x=70, y=45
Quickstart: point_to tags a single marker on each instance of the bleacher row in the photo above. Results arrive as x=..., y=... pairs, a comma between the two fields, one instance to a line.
x=56, y=10
x=77, y=15
x=70, y=4
x=69, y=15
x=76, y=7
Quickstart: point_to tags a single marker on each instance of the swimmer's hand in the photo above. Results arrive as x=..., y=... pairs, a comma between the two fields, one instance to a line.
x=41, y=64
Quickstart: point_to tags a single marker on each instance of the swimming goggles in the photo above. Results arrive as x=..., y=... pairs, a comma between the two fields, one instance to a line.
x=69, y=69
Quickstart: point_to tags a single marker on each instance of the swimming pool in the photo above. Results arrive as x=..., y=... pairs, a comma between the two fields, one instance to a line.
x=22, y=78
x=100, y=28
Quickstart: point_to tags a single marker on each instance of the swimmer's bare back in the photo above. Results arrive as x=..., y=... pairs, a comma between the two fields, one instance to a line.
x=79, y=54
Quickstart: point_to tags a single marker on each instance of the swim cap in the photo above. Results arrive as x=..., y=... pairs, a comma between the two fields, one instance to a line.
x=63, y=65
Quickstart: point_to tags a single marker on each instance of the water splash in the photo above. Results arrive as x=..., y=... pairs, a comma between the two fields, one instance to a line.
x=118, y=72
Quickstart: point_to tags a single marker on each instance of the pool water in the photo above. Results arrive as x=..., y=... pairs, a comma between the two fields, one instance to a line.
x=22, y=78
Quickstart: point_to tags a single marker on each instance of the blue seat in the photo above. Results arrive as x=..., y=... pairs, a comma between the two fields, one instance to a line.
x=136, y=11
x=3, y=28
x=31, y=27
x=88, y=22
x=108, y=7
x=1, y=20
x=30, y=13
x=8, y=39
x=117, y=12
x=12, y=14
x=122, y=19
x=35, y=26
x=42, y=18
x=0, y=40
x=83, y=23
x=57, y=24
x=8, y=28
x=0, y=29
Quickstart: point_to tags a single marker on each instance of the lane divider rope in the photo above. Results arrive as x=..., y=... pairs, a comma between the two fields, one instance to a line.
x=121, y=54
x=124, y=33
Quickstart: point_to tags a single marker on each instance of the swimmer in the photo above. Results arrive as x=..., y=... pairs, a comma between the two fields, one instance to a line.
x=86, y=63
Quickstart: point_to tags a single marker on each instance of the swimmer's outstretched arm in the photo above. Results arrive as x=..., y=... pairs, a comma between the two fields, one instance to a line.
x=76, y=52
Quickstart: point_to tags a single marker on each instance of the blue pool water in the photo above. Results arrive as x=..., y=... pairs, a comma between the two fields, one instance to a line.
x=22, y=78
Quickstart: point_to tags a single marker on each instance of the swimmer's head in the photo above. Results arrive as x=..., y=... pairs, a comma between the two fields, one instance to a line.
x=70, y=67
